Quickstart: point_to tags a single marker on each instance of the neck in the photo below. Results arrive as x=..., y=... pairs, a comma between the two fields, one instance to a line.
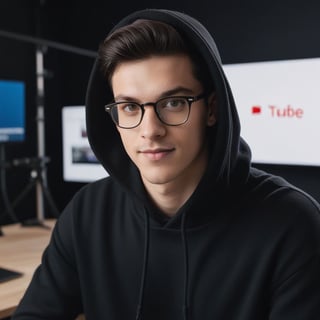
x=169, y=199
x=171, y=196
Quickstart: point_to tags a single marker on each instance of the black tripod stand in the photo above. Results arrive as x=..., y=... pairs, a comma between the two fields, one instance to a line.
x=36, y=166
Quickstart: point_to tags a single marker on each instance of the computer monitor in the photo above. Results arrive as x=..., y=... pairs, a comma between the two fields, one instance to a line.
x=12, y=111
x=79, y=161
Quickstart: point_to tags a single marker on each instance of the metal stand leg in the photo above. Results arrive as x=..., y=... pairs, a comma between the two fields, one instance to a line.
x=36, y=181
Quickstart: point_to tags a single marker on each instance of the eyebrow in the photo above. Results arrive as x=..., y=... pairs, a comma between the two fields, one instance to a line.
x=178, y=90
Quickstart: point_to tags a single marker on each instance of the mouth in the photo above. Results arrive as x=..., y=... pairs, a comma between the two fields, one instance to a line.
x=156, y=154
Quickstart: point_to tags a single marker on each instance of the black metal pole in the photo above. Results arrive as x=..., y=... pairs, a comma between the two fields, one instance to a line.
x=42, y=44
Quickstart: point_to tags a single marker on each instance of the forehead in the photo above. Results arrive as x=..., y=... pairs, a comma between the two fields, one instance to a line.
x=154, y=75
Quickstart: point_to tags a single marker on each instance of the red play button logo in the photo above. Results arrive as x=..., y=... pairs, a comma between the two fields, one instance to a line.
x=256, y=110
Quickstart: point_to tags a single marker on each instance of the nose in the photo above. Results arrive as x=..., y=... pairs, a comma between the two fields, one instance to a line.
x=151, y=127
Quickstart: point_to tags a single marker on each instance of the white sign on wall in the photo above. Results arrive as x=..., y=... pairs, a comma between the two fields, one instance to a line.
x=279, y=108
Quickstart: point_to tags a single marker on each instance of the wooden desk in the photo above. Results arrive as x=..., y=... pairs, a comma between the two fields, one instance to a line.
x=21, y=249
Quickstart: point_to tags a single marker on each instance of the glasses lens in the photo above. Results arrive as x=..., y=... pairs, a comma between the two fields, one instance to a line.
x=173, y=110
x=126, y=114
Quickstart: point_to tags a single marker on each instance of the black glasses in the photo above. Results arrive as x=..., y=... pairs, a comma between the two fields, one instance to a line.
x=172, y=111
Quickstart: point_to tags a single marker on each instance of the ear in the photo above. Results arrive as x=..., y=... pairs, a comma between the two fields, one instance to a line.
x=212, y=110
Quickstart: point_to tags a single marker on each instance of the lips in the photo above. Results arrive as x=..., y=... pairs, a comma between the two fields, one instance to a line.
x=156, y=154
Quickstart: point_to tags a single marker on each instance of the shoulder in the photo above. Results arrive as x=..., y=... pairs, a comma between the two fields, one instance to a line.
x=268, y=189
x=274, y=201
x=96, y=189
x=283, y=202
x=290, y=215
x=296, y=212
x=91, y=205
x=285, y=222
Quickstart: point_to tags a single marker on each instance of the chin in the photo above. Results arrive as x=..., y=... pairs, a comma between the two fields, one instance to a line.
x=157, y=178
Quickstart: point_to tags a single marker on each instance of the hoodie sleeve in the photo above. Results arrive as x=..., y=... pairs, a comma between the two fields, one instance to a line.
x=54, y=290
x=298, y=296
x=296, y=284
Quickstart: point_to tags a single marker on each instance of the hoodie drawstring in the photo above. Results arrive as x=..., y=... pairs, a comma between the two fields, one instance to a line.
x=184, y=239
x=145, y=265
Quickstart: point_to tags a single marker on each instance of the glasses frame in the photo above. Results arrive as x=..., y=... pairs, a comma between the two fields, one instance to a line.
x=189, y=99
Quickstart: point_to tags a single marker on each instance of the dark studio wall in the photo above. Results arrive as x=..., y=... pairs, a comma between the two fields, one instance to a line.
x=244, y=31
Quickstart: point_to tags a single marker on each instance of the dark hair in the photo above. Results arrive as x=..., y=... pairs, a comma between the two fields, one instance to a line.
x=144, y=38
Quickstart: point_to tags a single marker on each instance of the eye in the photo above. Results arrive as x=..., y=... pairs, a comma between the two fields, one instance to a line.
x=173, y=103
x=128, y=107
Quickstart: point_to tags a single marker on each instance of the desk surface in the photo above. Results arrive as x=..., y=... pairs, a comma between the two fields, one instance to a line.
x=21, y=249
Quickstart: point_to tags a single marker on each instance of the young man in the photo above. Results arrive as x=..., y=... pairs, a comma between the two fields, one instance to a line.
x=184, y=227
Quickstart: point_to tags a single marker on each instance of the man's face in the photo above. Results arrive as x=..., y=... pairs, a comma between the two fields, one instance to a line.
x=174, y=155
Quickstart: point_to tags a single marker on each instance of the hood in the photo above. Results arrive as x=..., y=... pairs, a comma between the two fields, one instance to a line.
x=229, y=155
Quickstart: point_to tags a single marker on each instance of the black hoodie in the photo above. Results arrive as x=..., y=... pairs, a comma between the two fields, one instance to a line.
x=245, y=246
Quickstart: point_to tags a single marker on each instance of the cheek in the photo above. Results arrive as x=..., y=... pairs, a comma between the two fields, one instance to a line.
x=127, y=141
x=197, y=139
x=192, y=137
x=200, y=120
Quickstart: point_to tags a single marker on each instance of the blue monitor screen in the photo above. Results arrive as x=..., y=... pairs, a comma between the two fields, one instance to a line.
x=12, y=111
